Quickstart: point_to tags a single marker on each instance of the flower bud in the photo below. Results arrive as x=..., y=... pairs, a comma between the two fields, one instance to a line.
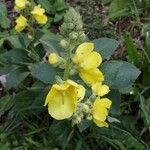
x=30, y=37
x=82, y=37
x=73, y=35
x=77, y=120
x=85, y=108
x=73, y=72
x=70, y=26
x=64, y=43
x=53, y=58
x=89, y=117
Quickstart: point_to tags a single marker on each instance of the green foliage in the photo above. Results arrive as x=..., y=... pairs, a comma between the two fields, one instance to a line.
x=121, y=8
x=119, y=74
x=132, y=51
x=106, y=47
x=4, y=21
x=55, y=8
x=25, y=123
x=44, y=72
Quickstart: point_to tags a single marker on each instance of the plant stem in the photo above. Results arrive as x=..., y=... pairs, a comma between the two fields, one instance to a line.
x=67, y=68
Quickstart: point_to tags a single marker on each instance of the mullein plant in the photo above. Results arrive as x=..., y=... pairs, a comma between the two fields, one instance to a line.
x=67, y=98
x=28, y=8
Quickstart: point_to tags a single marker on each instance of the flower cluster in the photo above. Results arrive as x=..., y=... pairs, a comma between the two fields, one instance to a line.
x=68, y=99
x=87, y=62
x=36, y=12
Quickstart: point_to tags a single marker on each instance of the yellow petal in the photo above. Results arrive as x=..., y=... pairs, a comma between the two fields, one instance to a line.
x=62, y=100
x=61, y=87
x=37, y=10
x=85, y=48
x=91, y=76
x=92, y=60
x=41, y=19
x=99, y=111
x=101, y=123
x=99, y=89
x=80, y=92
x=21, y=23
x=105, y=102
x=61, y=106
x=53, y=58
x=72, y=83
x=50, y=95
x=20, y=4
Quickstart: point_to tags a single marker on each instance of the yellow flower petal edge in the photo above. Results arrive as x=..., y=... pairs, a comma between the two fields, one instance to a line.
x=101, y=123
x=80, y=92
x=92, y=60
x=53, y=58
x=20, y=4
x=99, y=89
x=100, y=111
x=38, y=14
x=85, y=48
x=62, y=99
x=21, y=23
x=91, y=76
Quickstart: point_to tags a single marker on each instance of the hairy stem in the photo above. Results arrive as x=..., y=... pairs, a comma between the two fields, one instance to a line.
x=67, y=68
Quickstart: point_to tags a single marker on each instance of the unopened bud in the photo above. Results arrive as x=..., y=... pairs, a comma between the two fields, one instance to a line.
x=85, y=108
x=82, y=37
x=73, y=35
x=89, y=117
x=77, y=120
x=53, y=58
x=73, y=72
x=64, y=43
x=70, y=26
x=30, y=37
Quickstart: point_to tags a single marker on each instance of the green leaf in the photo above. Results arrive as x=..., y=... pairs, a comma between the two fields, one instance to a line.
x=15, y=77
x=145, y=111
x=84, y=125
x=44, y=72
x=118, y=136
x=147, y=44
x=115, y=97
x=119, y=8
x=30, y=101
x=59, y=5
x=119, y=74
x=15, y=56
x=50, y=43
x=58, y=16
x=45, y=4
x=104, y=2
x=18, y=41
x=59, y=132
x=131, y=49
x=6, y=103
x=4, y=21
x=105, y=47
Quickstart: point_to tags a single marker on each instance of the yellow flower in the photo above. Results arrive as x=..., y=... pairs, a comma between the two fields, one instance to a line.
x=38, y=14
x=20, y=4
x=99, y=89
x=86, y=58
x=100, y=111
x=62, y=100
x=21, y=23
x=88, y=62
x=53, y=58
x=91, y=76
x=80, y=92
